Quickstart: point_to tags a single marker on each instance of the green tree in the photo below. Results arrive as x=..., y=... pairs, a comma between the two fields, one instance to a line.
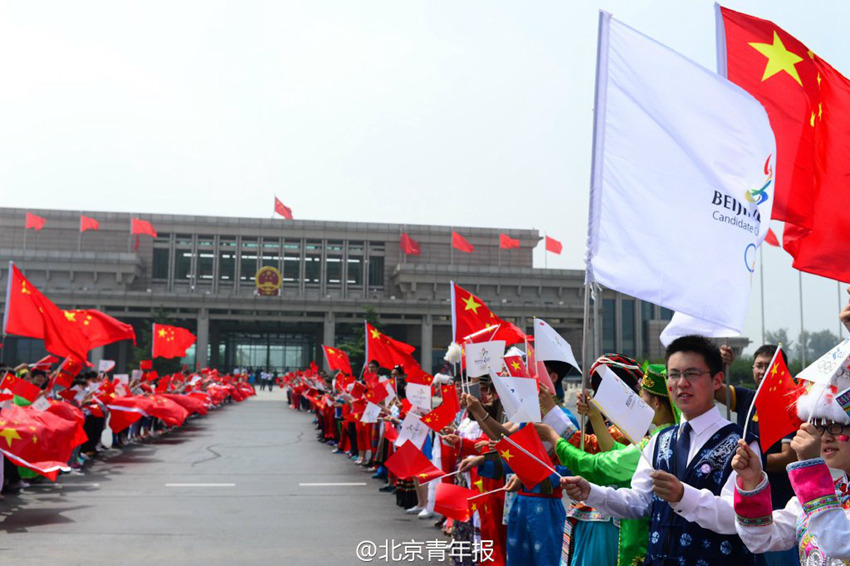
x=819, y=343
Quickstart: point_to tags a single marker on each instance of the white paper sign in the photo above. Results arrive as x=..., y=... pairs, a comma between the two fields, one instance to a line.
x=622, y=405
x=830, y=366
x=41, y=404
x=106, y=365
x=419, y=396
x=123, y=377
x=549, y=346
x=390, y=393
x=370, y=414
x=483, y=357
x=519, y=398
x=137, y=374
x=412, y=429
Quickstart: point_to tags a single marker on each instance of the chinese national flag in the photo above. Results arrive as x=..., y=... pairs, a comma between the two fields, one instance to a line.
x=66, y=373
x=453, y=501
x=144, y=227
x=409, y=246
x=377, y=393
x=87, y=223
x=20, y=387
x=450, y=398
x=515, y=366
x=409, y=462
x=460, y=243
x=358, y=390
x=553, y=245
x=171, y=341
x=776, y=403
x=440, y=418
x=35, y=222
x=471, y=315
x=99, y=328
x=417, y=375
x=530, y=471
x=390, y=432
x=38, y=440
x=282, y=209
x=337, y=360
x=31, y=314
x=166, y=410
x=771, y=239
x=808, y=103
x=388, y=352
x=508, y=243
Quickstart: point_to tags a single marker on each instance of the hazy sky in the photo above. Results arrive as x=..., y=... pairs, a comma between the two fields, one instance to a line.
x=457, y=112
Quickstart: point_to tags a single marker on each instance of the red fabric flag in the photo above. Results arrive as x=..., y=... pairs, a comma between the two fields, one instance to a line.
x=409, y=246
x=66, y=373
x=138, y=227
x=38, y=440
x=282, y=209
x=45, y=363
x=776, y=404
x=417, y=375
x=377, y=393
x=471, y=315
x=337, y=360
x=771, y=239
x=20, y=387
x=388, y=352
x=530, y=471
x=460, y=243
x=87, y=223
x=508, y=243
x=99, y=328
x=191, y=404
x=390, y=432
x=409, y=462
x=72, y=414
x=808, y=103
x=35, y=222
x=358, y=390
x=146, y=365
x=453, y=501
x=124, y=411
x=515, y=366
x=171, y=341
x=543, y=377
x=553, y=245
x=440, y=418
x=450, y=398
x=31, y=314
x=166, y=410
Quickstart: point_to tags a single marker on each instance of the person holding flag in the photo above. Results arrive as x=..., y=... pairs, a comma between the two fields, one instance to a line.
x=684, y=482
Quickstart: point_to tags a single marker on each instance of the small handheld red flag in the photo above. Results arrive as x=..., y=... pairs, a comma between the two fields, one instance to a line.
x=776, y=403
x=409, y=462
x=282, y=209
x=452, y=501
x=35, y=222
x=526, y=456
x=508, y=243
x=460, y=243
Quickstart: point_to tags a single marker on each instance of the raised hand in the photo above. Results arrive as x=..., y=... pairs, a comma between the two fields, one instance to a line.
x=806, y=442
x=747, y=464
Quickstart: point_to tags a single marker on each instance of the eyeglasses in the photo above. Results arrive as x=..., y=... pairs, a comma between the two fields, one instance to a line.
x=761, y=367
x=689, y=374
x=832, y=428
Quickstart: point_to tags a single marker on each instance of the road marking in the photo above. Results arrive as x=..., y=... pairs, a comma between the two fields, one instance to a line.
x=200, y=485
x=343, y=484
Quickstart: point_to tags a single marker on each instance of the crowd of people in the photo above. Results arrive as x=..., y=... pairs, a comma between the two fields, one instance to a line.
x=52, y=422
x=693, y=491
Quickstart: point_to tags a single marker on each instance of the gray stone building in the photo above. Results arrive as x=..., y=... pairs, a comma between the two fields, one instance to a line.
x=201, y=272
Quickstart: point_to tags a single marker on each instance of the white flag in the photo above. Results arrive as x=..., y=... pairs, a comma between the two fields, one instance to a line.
x=549, y=346
x=682, y=177
x=483, y=357
x=370, y=414
x=830, y=366
x=622, y=405
x=105, y=366
x=519, y=398
x=683, y=325
x=419, y=395
x=412, y=429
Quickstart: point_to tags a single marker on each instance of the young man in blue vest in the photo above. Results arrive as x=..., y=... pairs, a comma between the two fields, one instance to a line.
x=688, y=491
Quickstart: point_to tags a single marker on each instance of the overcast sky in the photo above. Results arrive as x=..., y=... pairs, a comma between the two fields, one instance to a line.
x=456, y=112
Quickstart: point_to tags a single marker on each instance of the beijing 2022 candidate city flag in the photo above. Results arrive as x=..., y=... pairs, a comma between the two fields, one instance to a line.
x=683, y=164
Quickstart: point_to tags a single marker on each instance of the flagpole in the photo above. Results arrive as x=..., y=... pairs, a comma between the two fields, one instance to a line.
x=25, y=238
x=486, y=493
x=585, y=357
x=545, y=256
x=758, y=390
x=761, y=277
x=802, y=330
x=441, y=477
x=840, y=305
x=452, y=251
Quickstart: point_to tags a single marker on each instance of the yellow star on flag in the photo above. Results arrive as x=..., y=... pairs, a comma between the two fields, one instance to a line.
x=375, y=334
x=471, y=305
x=778, y=59
x=24, y=289
x=506, y=455
x=331, y=351
x=10, y=434
x=161, y=332
x=474, y=507
x=71, y=316
x=515, y=365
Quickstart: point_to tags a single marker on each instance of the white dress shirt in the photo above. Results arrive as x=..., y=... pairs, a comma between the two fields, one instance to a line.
x=701, y=506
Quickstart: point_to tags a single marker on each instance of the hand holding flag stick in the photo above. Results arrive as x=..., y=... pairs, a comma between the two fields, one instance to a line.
x=532, y=456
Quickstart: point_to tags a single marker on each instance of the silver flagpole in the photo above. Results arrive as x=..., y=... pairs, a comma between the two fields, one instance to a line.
x=585, y=357
x=761, y=278
x=802, y=328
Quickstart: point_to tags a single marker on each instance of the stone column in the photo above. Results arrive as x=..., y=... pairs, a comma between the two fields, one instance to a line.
x=203, y=338
x=96, y=355
x=427, y=342
x=328, y=335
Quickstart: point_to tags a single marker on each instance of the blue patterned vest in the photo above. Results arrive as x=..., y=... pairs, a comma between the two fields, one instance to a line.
x=672, y=539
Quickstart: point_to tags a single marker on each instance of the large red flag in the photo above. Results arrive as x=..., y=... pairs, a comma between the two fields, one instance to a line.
x=35, y=222
x=100, y=328
x=471, y=315
x=530, y=471
x=138, y=227
x=452, y=501
x=409, y=462
x=808, y=103
x=20, y=387
x=282, y=209
x=87, y=223
x=776, y=403
x=409, y=246
x=386, y=351
x=38, y=440
x=31, y=314
x=460, y=243
x=553, y=245
x=171, y=341
x=337, y=360
x=508, y=243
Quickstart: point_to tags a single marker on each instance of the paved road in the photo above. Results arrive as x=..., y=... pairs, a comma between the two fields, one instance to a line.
x=123, y=510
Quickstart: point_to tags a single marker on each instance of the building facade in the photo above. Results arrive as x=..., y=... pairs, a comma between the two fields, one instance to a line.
x=200, y=272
